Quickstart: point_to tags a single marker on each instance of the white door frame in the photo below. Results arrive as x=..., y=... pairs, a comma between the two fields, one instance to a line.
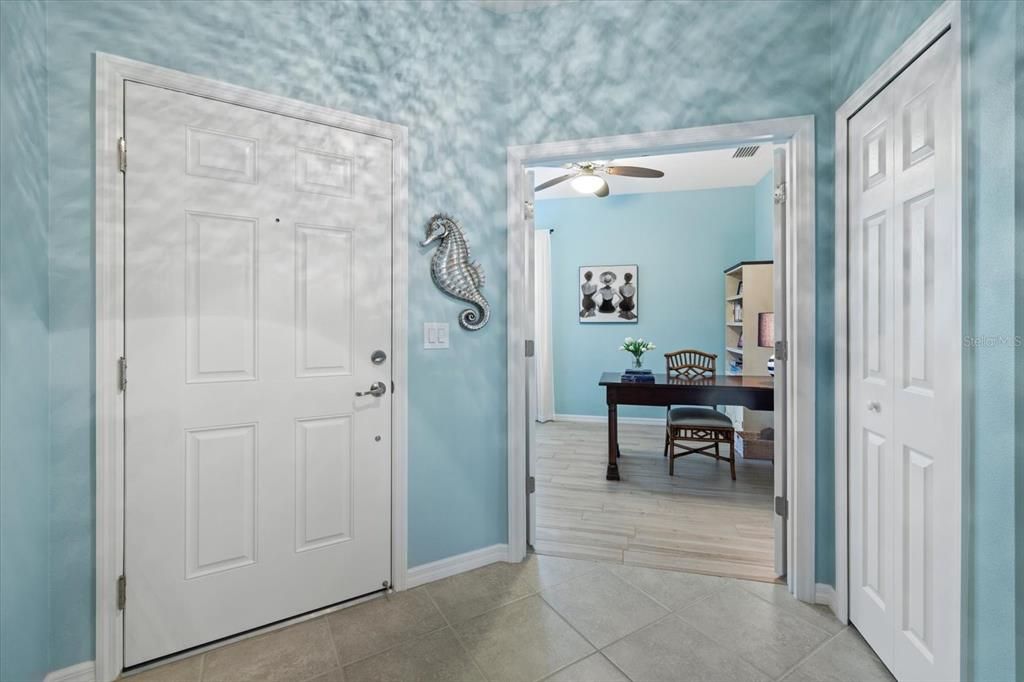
x=798, y=132
x=111, y=74
x=946, y=18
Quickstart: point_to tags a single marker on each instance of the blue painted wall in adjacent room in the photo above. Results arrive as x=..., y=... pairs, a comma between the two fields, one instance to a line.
x=24, y=339
x=681, y=243
x=764, y=218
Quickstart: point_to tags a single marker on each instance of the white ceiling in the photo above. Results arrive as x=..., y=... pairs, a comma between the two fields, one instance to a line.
x=690, y=170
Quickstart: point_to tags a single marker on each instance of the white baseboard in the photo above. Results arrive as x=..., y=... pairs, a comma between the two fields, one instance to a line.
x=453, y=565
x=79, y=672
x=825, y=594
x=603, y=419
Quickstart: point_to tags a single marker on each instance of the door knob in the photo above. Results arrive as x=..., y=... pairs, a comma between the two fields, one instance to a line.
x=377, y=389
x=874, y=406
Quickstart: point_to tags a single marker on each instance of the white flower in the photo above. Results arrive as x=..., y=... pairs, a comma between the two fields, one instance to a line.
x=629, y=339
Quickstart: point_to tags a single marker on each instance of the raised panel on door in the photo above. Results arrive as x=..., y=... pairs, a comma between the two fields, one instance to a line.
x=257, y=279
x=220, y=499
x=323, y=481
x=220, y=296
x=324, y=309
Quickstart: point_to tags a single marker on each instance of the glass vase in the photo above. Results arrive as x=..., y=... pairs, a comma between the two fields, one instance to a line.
x=638, y=362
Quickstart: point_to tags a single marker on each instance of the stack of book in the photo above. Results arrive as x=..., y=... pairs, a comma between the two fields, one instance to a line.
x=638, y=376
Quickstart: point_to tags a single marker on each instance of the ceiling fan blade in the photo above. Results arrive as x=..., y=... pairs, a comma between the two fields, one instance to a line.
x=552, y=183
x=634, y=171
x=603, y=192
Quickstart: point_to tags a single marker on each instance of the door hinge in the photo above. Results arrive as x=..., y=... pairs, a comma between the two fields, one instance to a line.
x=529, y=348
x=122, y=592
x=781, y=350
x=531, y=485
x=780, y=193
x=122, y=154
x=782, y=507
x=122, y=373
x=392, y=386
x=527, y=210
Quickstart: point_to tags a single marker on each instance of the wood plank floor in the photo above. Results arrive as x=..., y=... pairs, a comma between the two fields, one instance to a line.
x=699, y=521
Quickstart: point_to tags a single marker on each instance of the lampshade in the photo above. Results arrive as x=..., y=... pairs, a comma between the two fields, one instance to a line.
x=586, y=183
x=766, y=330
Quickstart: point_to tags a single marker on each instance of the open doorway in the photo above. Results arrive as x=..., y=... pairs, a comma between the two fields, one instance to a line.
x=681, y=261
x=665, y=257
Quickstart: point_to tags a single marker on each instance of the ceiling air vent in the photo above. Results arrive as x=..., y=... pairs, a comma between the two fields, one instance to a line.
x=745, y=152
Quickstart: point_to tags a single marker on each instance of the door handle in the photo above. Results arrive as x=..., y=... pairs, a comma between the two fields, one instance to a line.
x=874, y=406
x=377, y=389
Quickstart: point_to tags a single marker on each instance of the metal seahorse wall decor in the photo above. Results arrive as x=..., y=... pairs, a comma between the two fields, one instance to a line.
x=453, y=273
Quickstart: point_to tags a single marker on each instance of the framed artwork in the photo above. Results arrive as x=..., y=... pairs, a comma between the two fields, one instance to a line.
x=608, y=293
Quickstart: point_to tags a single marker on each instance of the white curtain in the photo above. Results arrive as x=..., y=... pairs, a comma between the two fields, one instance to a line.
x=544, y=381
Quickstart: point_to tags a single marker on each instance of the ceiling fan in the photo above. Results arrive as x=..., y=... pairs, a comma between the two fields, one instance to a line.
x=585, y=179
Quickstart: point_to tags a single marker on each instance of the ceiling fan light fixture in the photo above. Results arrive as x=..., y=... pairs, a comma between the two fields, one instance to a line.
x=587, y=183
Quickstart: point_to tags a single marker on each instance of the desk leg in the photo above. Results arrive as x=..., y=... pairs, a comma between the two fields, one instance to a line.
x=613, y=442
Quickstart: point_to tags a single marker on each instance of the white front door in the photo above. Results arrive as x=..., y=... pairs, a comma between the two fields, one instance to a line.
x=904, y=377
x=257, y=286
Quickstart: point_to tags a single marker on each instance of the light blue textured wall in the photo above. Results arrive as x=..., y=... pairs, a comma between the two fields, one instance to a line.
x=681, y=243
x=468, y=82
x=429, y=66
x=764, y=218
x=24, y=410
x=866, y=34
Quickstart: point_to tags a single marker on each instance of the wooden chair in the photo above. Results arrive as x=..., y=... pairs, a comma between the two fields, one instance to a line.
x=684, y=425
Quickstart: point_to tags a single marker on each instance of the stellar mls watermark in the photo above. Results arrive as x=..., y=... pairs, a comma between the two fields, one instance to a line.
x=993, y=341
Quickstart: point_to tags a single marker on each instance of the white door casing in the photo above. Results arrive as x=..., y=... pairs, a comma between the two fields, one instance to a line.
x=780, y=419
x=904, y=382
x=798, y=135
x=532, y=380
x=257, y=284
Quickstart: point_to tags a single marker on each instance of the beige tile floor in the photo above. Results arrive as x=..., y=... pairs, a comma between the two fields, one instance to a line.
x=699, y=520
x=554, y=618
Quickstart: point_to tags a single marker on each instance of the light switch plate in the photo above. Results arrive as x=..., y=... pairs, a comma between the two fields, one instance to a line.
x=435, y=335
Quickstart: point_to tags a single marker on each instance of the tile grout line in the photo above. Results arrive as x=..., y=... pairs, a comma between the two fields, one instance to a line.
x=603, y=655
x=455, y=633
x=795, y=615
x=389, y=648
x=810, y=653
x=334, y=643
x=828, y=636
x=655, y=622
x=596, y=649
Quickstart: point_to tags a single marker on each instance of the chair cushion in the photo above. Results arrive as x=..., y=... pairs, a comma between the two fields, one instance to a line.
x=698, y=416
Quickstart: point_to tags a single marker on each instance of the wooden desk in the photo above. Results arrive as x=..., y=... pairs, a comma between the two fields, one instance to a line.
x=757, y=393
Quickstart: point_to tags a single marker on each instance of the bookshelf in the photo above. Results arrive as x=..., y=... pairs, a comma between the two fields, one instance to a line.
x=749, y=290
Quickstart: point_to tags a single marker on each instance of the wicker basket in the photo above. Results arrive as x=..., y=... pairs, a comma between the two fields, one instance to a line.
x=758, y=445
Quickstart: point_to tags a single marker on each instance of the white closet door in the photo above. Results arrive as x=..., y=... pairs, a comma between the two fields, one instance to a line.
x=926, y=371
x=870, y=371
x=904, y=371
x=258, y=283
